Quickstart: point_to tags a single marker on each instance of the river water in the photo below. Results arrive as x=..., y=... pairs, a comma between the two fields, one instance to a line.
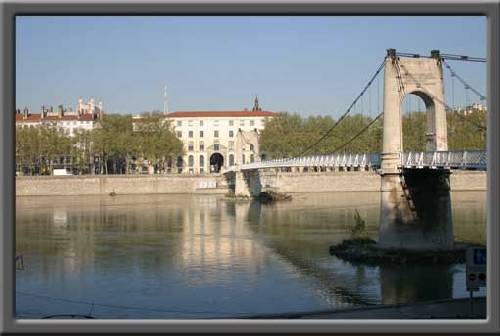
x=203, y=256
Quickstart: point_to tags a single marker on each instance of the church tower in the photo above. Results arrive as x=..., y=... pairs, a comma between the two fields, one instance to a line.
x=256, y=106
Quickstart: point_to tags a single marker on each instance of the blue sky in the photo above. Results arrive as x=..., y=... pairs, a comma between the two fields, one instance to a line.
x=309, y=65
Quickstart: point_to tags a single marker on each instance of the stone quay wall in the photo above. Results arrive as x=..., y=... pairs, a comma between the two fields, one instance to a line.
x=119, y=184
x=358, y=181
x=218, y=184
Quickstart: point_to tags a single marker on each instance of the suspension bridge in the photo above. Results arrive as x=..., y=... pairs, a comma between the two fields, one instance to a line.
x=415, y=203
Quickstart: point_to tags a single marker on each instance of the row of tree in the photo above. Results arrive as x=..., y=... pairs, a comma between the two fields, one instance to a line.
x=288, y=135
x=119, y=145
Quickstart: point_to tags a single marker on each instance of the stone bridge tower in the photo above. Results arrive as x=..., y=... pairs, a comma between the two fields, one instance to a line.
x=415, y=210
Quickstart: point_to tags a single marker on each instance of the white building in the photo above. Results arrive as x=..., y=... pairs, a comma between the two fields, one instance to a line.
x=215, y=140
x=86, y=117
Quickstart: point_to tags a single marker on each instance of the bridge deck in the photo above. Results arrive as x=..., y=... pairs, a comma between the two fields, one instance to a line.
x=474, y=159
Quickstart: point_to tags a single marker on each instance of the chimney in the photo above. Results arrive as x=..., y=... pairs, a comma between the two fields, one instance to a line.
x=79, y=107
x=43, y=114
x=60, y=111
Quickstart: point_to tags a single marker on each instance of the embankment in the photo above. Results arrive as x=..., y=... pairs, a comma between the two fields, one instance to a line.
x=358, y=181
x=119, y=184
x=165, y=184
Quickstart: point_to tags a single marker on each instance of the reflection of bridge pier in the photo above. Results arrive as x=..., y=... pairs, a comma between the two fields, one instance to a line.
x=338, y=282
x=402, y=284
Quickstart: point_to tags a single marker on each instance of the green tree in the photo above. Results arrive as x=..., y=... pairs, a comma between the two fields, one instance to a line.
x=155, y=140
x=40, y=148
x=288, y=135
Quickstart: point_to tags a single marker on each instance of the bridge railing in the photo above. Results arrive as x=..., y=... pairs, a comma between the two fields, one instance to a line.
x=471, y=159
x=329, y=160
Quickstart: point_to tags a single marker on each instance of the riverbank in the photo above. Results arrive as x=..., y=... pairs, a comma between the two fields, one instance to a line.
x=218, y=184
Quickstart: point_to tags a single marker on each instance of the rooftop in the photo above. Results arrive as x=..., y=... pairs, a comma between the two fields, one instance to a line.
x=36, y=117
x=212, y=114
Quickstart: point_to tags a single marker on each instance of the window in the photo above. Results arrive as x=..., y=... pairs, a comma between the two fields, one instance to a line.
x=201, y=134
x=231, y=134
x=216, y=147
x=191, y=160
x=201, y=122
x=243, y=158
x=242, y=122
x=216, y=123
x=231, y=145
x=190, y=134
x=216, y=134
x=190, y=147
x=202, y=162
x=231, y=122
x=251, y=147
x=252, y=123
x=190, y=123
x=179, y=122
x=202, y=146
x=251, y=158
x=179, y=161
x=179, y=134
x=231, y=159
x=202, y=170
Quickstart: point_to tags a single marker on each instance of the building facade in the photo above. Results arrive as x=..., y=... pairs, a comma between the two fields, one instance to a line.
x=66, y=120
x=216, y=140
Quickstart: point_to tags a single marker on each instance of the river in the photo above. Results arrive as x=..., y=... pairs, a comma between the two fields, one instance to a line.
x=203, y=256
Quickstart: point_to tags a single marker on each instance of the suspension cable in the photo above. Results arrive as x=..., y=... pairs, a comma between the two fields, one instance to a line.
x=463, y=58
x=466, y=85
x=327, y=133
x=358, y=134
x=445, y=56
x=402, y=89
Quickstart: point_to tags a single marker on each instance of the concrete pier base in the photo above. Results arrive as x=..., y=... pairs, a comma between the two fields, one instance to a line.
x=241, y=187
x=247, y=183
x=415, y=210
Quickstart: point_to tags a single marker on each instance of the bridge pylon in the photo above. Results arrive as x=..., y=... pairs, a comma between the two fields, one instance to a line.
x=415, y=208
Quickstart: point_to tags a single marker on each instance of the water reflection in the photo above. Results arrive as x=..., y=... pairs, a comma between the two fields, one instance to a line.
x=191, y=255
x=407, y=283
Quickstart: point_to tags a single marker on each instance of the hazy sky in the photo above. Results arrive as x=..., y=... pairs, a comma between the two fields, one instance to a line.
x=310, y=65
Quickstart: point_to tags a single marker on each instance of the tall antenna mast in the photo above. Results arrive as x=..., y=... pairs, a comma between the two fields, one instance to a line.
x=165, y=100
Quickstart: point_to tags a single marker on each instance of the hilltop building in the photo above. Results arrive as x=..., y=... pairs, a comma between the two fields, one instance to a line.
x=65, y=119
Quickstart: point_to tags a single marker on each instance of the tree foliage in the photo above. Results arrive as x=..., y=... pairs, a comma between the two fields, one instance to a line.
x=288, y=135
x=112, y=147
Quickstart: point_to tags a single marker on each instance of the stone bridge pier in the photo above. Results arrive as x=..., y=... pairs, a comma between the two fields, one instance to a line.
x=415, y=208
x=247, y=183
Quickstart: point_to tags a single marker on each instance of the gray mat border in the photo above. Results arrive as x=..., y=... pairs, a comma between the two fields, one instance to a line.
x=7, y=167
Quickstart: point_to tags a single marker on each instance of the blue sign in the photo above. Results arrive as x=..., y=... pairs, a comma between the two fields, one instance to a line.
x=480, y=256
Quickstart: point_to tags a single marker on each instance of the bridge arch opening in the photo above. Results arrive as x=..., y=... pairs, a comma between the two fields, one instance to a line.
x=417, y=122
x=216, y=162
